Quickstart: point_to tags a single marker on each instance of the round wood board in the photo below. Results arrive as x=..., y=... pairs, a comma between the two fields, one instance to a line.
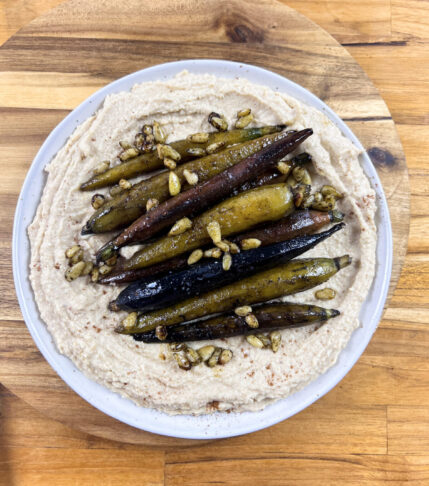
x=61, y=58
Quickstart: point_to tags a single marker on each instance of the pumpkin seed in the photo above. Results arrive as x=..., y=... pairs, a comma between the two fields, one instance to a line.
x=215, y=147
x=169, y=163
x=124, y=184
x=199, y=137
x=244, y=112
x=130, y=320
x=265, y=340
x=97, y=201
x=192, y=356
x=301, y=175
x=331, y=191
x=195, y=256
x=191, y=177
x=244, y=121
x=182, y=360
x=213, y=229
x=161, y=333
x=213, y=253
x=300, y=193
x=325, y=294
x=125, y=145
x=226, y=262
x=147, y=129
x=196, y=151
x=291, y=182
x=77, y=257
x=223, y=245
x=327, y=204
x=75, y=271
x=152, y=203
x=139, y=140
x=276, y=340
x=180, y=227
x=225, y=356
x=87, y=269
x=214, y=358
x=250, y=243
x=318, y=197
x=243, y=310
x=70, y=252
x=170, y=152
x=233, y=247
x=104, y=269
x=174, y=185
x=251, y=321
x=95, y=274
x=205, y=352
x=308, y=201
x=218, y=121
x=128, y=154
x=158, y=133
x=254, y=341
x=178, y=346
x=102, y=167
x=283, y=167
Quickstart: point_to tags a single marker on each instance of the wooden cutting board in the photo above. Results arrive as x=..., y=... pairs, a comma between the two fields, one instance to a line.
x=59, y=59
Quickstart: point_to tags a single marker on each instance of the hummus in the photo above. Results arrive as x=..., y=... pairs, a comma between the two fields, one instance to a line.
x=76, y=312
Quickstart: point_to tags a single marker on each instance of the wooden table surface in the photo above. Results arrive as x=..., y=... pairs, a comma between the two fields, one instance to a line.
x=381, y=433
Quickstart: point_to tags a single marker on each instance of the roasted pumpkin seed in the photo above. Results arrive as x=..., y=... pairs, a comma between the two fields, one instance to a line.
x=102, y=167
x=178, y=346
x=325, y=294
x=301, y=175
x=77, y=257
x=75, y=271
x=97, y=201
x=214, y=358
x=158, y=133
x=276, y=340
x=250, y=243
x=128, y=154
x=213, y=229
x=152, y=203
x=170, y=152
x=94, y=275
x=70, y=252
x=226, y=262
x=317, y=197
x=331, y=191
x=252, y=321
x=223, y=245
x=213, y=253
x=327, y=204
x=243, y=310
x=199, y=137
x=192, y=356
x=87, y=269
x=195, y=256
x=124, y=184
x=283, y=167
x=182, y=360
x=104, y=269
x=196, y=151
x=130, y=320
x=254, y=341
x=218, y=121
x=174, y=185
x=244, y=112
x=169, y=163
x=244, y=121
x=233, y=248
x=147, y=129
x=215, y=147
x=300, y=193
x=205, y=352
x=180, y=227
x=266, y=341
x=225, y=356
x=125, y=145
x=191, y=177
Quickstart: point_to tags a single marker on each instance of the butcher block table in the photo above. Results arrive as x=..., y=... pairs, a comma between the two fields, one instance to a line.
x=373, y=428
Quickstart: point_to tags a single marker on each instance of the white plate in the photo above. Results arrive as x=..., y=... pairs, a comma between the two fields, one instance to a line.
x=216, y=425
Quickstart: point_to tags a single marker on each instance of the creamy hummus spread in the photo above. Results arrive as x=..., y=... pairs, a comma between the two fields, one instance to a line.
x=76, y=312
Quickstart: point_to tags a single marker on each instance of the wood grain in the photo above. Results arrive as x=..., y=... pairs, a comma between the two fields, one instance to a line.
x=371, y=429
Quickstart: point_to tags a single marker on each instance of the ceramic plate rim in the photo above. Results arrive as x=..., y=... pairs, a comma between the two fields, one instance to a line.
x=219, y=425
